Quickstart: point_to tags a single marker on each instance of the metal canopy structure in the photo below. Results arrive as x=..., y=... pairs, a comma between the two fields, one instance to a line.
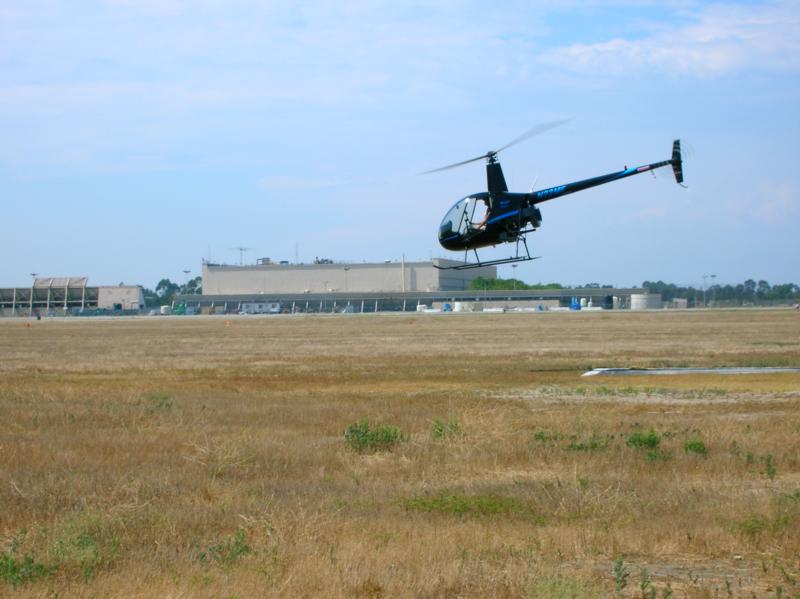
x=50, y=293
x=394, y=301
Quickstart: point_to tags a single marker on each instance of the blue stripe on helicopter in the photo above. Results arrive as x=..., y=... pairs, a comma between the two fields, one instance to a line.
x=502, y=216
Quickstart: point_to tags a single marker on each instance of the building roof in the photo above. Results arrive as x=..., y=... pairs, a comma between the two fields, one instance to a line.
x=60, y=282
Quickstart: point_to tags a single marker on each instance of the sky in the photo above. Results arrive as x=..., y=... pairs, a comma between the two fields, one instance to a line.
x=140, y=137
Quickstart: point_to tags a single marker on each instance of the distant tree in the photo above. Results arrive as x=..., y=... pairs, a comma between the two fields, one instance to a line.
x=749, y=290
x=151, y=299
x=489, y=284
x=166, y=291
x=194, y=286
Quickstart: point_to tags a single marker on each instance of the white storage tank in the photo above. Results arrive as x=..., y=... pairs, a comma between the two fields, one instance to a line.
x=645, y=301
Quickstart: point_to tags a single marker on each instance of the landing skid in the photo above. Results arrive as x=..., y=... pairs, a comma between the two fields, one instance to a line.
x=478, y=263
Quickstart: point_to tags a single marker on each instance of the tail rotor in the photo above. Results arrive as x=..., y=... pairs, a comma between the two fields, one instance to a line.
x=677, y=162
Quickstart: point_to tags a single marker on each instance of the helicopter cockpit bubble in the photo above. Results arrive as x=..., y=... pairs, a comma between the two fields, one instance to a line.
x=460, y=218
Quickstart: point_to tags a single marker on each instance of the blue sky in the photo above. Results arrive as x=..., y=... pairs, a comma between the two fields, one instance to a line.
x=140, y=135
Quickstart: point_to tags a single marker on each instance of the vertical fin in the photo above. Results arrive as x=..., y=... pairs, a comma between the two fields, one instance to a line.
x=495, y=181
x=677, y=161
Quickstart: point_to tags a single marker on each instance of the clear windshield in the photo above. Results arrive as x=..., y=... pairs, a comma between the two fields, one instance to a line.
x=467, y=213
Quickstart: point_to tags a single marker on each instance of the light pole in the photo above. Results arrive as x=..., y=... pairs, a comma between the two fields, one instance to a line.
x=186, y=281
x=346, y=268
x=33, y=282
x=704, y=290
x=514, y=280
x=713, y=289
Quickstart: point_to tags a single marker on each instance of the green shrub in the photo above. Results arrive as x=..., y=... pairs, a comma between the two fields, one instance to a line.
x=363, y=439
x=17, y=571
x=769, y=467
x=596, y=442
x=695, y=446
x=547, y=436
x=644, y=440
x=227, y=552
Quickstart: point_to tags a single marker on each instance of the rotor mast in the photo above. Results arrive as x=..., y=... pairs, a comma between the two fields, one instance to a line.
x=495, y=181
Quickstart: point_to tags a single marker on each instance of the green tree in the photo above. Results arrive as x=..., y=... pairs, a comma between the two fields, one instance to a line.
x=194, y=286
x=166, y=291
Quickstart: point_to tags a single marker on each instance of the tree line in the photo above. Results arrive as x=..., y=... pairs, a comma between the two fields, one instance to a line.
x=165, y=291
x=750, y=292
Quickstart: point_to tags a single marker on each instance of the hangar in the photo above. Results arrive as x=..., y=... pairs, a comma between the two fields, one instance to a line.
x=326, y=276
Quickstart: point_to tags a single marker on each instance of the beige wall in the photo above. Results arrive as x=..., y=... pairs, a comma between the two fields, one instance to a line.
x=130, y=296
x=322, y=278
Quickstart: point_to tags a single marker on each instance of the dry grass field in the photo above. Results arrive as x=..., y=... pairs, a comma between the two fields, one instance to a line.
x=207, y=457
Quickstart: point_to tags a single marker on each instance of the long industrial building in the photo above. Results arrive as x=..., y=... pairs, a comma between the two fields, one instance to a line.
x=266, y=277
x=325, y=286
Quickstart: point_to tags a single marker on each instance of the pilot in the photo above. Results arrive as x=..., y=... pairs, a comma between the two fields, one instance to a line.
x=482, y=224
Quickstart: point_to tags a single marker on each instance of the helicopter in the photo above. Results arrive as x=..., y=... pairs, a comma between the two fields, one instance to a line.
x=507, y=217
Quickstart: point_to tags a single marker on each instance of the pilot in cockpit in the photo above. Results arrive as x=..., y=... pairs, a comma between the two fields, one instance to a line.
x=482, y=223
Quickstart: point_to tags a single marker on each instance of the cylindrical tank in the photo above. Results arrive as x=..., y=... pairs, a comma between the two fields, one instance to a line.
x=645, y=301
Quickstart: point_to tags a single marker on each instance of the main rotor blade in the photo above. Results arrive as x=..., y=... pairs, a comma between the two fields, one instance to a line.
x=533, y=132
x=449, y=166
x=537, y=130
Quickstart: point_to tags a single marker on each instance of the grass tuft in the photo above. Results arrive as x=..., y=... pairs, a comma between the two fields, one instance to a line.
x=644, y=440
x=447, y=430
x=456, y=504
x=695, y=446
x=228, y=552
x=362, y=439
x=563, y=588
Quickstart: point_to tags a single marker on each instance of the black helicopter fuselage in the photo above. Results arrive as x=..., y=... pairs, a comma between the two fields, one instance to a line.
x=499, y=216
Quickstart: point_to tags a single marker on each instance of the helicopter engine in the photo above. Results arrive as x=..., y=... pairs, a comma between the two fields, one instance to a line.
x=532, y=215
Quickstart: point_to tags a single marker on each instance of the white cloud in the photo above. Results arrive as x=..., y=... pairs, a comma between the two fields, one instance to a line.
x=716, y=40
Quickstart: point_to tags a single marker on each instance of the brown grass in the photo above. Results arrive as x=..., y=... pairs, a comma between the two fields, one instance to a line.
x=205, y=457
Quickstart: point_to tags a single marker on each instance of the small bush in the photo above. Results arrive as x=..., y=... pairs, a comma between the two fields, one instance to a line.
x=594, y=443
x=644, y=440
x=544, y=436
x=769, y=467
x=695, y=446
x=17, y=571
x=447, y=430
x=621, y=574
x=382, y=438
x=658, y=455
x=227, y=552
